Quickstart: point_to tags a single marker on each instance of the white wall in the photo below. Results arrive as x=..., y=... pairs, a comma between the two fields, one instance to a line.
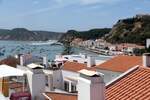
x=91, y=88
x=50, y=82
x=69, y=74
x=36, y=85
x=57, y=79
x=90, y=61
x=83, y=90
x=109, y=75
x=28, y=58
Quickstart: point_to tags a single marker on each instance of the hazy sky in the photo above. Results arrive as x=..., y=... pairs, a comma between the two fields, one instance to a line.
x=62, y=15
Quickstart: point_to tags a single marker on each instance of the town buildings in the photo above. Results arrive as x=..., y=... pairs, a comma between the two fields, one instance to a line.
x=103, y=47
x=132, y=84
x=83, y=77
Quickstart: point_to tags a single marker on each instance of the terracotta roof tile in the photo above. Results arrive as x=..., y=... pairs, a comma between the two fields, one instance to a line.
x=11, y=61
x=75, y=66
x=134, y=86
x=121, y=63
x=60, y=96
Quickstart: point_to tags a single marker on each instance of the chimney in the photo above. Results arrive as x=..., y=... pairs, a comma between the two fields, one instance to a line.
x=56, y=79
x=21, y=60
x=36, y=81
x=83, y=55
x=91, y=85
x=57, y=56
x=45, y=62
x=146, y=59
x=90, y=61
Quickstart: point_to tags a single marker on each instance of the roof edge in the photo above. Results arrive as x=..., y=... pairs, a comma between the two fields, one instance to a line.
x=44, y=94
x=73, y=94
x=108, y=69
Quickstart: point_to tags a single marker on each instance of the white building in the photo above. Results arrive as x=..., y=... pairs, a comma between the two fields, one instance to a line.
x=29, y=58
x=67, y=77
x=111, y=68
x=92, y=87
x=64, y=76
x=93, y=83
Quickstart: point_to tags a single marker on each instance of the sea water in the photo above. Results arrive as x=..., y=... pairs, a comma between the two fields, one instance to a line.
x=39, y=48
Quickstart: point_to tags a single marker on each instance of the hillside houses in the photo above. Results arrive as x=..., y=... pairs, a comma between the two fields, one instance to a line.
x=103, y=47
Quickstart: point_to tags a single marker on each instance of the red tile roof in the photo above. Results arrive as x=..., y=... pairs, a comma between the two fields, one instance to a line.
x=75, y=66
x=133, y=86
x=121, y=63
x=60, y=96
x=11, y=61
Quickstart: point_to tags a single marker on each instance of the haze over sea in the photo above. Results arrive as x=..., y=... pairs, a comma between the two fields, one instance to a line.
x=38, y=48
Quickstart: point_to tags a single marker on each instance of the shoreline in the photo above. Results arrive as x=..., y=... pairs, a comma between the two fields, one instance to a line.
x=90, y=50
x=30, y=40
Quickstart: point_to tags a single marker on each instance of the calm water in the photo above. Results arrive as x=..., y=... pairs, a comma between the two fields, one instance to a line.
x=8, y=48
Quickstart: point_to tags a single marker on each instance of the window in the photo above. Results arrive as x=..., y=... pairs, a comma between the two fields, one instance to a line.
x=46, y=80
x=66, y=86
x=70, y=87
x=75, y=61
x=73, y=88
x=66, y=57
x=85, y=62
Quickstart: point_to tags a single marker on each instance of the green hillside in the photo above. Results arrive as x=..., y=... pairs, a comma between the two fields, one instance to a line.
x=85, y=35
x=22, y=34
x=131, y=30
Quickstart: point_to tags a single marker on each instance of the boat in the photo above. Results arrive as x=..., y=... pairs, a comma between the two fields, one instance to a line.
x=49, y=42
x=1, y=54
x=57, y=43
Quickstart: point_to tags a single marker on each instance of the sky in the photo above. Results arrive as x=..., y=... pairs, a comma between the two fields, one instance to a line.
x=63, y=15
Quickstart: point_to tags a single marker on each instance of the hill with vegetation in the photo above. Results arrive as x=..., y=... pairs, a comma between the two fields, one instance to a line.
x=22, y=34
x=130, y=30
x=85, y=35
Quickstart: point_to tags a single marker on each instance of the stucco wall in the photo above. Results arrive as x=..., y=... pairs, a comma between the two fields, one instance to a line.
x=69, y=74
x=57, y=79
x=83, y=90
x=36, y=85
x=109, y=75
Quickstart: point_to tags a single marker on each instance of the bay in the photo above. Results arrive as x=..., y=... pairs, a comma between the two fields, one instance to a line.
x=39, y=48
